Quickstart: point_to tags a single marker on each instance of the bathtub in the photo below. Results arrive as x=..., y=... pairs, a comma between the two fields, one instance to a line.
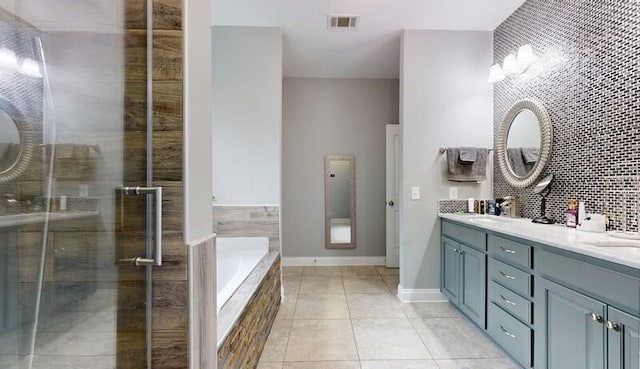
x=236, y=257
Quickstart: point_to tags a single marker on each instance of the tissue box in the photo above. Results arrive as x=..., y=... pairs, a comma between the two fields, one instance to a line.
x=592, y=223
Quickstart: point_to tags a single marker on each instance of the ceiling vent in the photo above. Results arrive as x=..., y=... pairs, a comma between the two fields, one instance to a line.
x=342, y=21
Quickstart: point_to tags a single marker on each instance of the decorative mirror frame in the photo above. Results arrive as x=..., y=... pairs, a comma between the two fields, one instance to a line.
x=327, y=201
x=546, y=139
x=27, y=142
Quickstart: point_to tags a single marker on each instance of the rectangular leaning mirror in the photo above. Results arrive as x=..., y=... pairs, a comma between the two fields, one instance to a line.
x=340, y=201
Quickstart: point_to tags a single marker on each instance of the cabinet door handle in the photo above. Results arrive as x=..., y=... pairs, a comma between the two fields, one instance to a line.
x=596, y=317
x=508, y=251
x=507, y=276
x=506, y=332
x=612, y=325
x=507, y=300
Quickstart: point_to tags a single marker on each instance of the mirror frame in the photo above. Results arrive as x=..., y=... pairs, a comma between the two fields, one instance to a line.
x=327, y=201
x=27, y=144
x=546, y=139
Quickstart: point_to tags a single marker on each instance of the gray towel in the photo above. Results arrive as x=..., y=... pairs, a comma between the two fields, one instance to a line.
x=467, y=155
x=530, y=154
x=475, y=172
x=516, y=161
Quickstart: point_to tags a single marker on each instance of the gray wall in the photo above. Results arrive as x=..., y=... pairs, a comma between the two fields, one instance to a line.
x=445, y=101
x=587, y=78
x=334, y=116
x=247, y=115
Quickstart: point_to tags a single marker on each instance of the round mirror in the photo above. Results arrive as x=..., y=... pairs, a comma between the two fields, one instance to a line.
x=523, y=143
x=9, y=142
x=16, y=142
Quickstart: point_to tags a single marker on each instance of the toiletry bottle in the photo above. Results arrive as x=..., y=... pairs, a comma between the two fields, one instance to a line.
x=571, y=215
x=63, y=203
x=491, y=207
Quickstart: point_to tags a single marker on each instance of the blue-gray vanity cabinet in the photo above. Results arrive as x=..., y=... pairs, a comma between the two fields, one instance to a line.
x=9, y=279
x=570, y=333
x=602, y=330
x=464, y=273
x=464, y=279
x=623, y=334
x=450, y=269
x=473, y=284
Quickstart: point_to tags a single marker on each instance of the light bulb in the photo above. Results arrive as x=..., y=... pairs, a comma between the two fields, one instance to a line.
x=30, y=68
x=526, y=56
x=510, y=65
x=495, y=74
x=8, y=59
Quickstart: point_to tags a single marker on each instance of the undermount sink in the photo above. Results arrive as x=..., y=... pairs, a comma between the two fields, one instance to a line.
x=615, y=243
x=488, y=218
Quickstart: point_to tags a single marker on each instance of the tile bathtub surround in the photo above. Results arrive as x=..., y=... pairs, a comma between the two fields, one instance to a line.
x=244, y=344
x=587, y=78
x=248, y=221
x=339, y=329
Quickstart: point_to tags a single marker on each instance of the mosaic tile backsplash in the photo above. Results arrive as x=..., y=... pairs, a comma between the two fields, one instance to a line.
x=588, y=78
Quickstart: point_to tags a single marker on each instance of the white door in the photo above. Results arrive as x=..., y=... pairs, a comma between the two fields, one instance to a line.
x=393, y=195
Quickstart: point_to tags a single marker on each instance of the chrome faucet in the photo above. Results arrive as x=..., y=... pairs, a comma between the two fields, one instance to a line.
x=10, y=204
x=509, y=207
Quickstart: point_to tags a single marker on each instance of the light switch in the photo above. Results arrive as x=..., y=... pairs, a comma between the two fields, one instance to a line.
x=415, y=193
x=453, y=192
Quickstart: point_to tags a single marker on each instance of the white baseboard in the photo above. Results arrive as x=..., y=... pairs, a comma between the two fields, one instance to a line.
x=333, y=260
x=421, y=295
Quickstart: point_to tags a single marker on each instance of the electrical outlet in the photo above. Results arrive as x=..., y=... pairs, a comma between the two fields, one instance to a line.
x=453, y=193
x=415, y=193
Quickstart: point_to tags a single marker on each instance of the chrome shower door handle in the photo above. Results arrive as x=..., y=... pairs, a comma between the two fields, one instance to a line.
x=157, y=195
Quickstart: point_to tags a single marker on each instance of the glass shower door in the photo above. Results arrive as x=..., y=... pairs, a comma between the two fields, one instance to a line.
x=79, y=221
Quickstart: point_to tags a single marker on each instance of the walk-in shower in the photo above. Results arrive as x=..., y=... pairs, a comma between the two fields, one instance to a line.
x=76, y=250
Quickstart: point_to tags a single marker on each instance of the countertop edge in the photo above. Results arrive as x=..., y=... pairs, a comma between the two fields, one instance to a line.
x=571, y=243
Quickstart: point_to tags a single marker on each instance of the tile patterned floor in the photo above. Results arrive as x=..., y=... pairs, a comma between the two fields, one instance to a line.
x=349, y=318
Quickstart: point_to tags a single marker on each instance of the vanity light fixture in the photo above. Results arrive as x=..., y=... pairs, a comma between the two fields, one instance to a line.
x=526, y=57
x=512, y=64
x=30, y=68
x=495, y=73
x=8, y=59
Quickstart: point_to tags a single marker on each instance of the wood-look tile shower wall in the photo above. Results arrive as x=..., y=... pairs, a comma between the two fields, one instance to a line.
x=170, y=297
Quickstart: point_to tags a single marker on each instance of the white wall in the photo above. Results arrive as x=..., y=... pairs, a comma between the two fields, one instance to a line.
x=247, y=114
x=445, y=101
x=198, y=115
x=341, y=117
x=198, y=216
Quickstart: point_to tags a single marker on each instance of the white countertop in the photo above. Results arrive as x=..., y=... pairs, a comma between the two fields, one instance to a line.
x=557, y=235
x=40, y=217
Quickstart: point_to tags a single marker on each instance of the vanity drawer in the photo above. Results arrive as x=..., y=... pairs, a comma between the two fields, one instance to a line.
x=510, y=277
x=510, y=301
x=511, y=334
x=511, y=251
x=468, y=236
